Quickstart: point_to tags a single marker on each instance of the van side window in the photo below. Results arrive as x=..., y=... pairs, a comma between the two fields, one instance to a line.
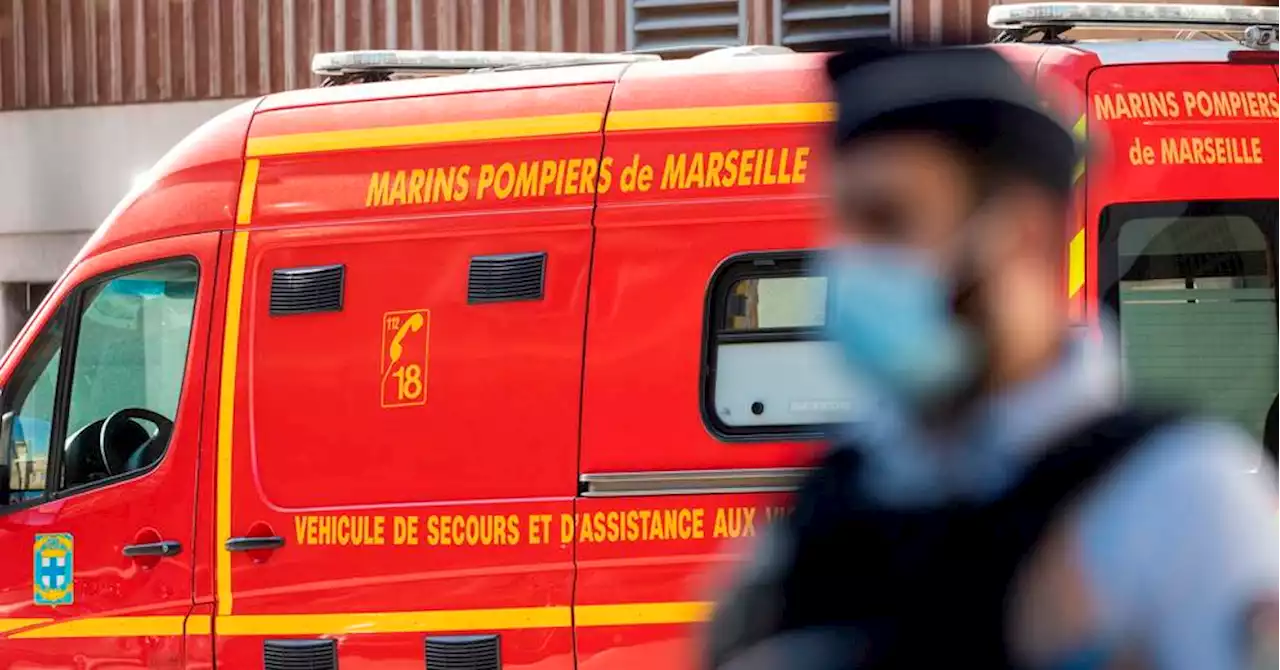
x=27, y=424
x=1193, y=286
x=130, y=356
x=768, y=371
x=112, y=411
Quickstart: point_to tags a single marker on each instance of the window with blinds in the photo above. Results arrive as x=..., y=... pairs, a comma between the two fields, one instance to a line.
x=818, y=25
x=769, y=368
x=1194, y=288
x=683, y=27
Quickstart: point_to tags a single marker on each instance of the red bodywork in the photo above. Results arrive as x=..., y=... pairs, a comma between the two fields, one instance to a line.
x=462, y=510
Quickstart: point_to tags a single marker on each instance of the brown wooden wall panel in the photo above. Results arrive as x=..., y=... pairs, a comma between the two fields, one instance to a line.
x=944, y=20
x=56, y=53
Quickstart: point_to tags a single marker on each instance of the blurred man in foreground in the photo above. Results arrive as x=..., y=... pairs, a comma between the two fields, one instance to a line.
x=1008, y=510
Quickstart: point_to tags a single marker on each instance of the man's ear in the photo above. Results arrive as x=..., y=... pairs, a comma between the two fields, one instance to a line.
x=1033, y=222
x=1000, y=226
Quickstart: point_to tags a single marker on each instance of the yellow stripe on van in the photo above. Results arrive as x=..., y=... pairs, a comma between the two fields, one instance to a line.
x=719, y=117
x=539, y=126
x=1081, y=132
x=120, y=626
x=1075, y=267
x=638, y=614
x=351, y=623
x=512, y=618
x=7, y=625
x=227, y=384
x=199, y=624
x=248, y=189
x=226, y=415
x=429, y=133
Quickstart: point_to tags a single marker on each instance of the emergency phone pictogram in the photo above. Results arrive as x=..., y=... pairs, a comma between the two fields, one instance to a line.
x=405, y=342
x=53, y=574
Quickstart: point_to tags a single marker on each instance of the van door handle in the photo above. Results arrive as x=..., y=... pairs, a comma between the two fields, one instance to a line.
x=255, y=543
x=162, y=548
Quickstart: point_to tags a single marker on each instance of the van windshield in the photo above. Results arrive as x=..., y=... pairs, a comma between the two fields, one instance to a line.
x=1193, y=286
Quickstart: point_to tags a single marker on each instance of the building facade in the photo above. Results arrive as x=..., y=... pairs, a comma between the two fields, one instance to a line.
x=92, y=92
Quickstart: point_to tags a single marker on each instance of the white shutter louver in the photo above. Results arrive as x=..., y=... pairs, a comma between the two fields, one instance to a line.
x=816, y=25
x=682, y=27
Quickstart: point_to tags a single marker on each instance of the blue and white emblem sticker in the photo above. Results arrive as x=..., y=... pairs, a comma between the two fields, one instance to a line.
x=53, y=580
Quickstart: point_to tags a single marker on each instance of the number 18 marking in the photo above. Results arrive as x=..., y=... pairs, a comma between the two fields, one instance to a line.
x=408, y=382
x=405, y=344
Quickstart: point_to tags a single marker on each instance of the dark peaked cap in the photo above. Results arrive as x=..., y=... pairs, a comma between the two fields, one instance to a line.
x=970, y=94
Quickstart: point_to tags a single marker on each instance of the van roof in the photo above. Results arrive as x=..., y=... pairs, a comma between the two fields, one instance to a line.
x=1109, y=52
x=192, y=184
x=202, y=173
x=408, y=88
x=1128, y=52
x=552, y=75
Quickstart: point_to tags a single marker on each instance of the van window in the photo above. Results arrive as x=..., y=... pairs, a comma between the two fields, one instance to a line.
x=776, y=303
x=28, y=409
x=1193, y=285
x=112, y=412
x=768, y=370
x=130, y=356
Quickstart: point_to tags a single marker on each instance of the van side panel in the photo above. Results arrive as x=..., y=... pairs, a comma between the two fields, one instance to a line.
x=1184, y=131
x=412, y=434
x=659, y=240
x=1176, y=132
x=682, y=207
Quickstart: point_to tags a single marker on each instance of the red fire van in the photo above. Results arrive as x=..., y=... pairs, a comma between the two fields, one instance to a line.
x=486, y=370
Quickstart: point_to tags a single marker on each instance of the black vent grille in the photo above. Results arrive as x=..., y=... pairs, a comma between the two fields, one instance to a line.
x=506, y=278
x=307, y=290
x=300, y=655
x=463, y=652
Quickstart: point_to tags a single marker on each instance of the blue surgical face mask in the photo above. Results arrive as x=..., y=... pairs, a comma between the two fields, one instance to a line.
x=890, y=313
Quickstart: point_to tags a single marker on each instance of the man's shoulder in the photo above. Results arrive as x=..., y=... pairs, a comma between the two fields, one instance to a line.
x=1199, y=453
x=1166, y=550
x=1194, y=501
x=1179, y=539
x=1188, y=462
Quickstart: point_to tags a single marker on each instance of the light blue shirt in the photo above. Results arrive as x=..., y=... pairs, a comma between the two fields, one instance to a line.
x=1177, y=541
